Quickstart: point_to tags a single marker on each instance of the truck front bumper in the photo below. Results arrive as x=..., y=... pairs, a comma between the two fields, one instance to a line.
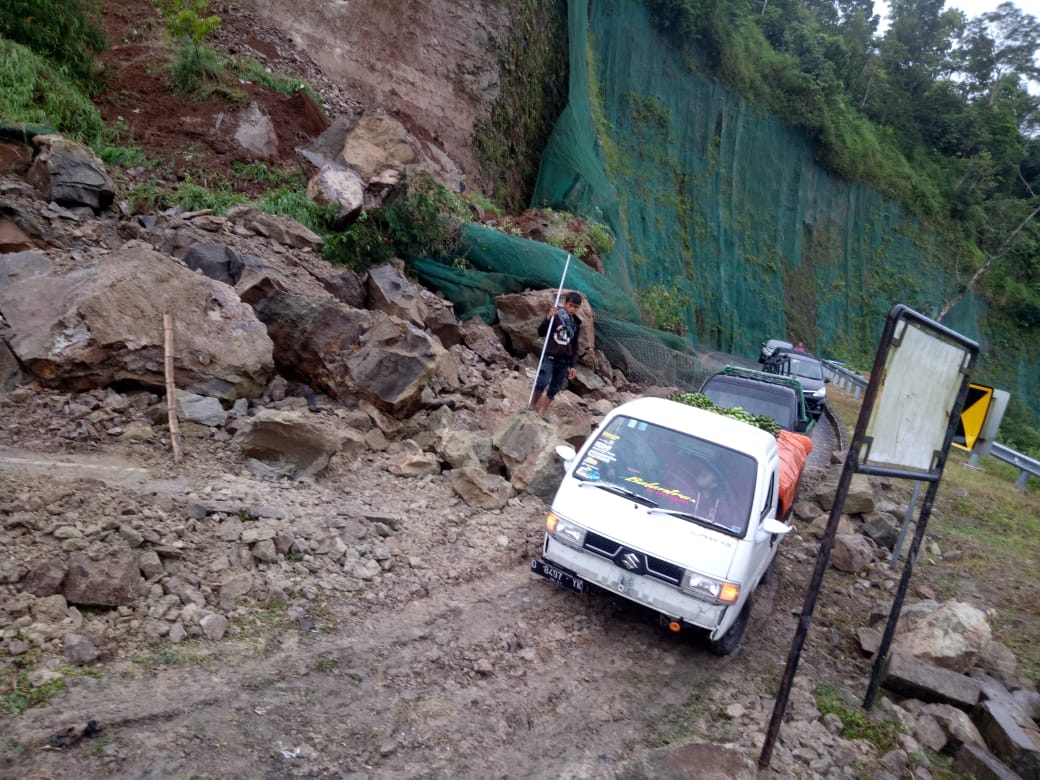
x=646, y=591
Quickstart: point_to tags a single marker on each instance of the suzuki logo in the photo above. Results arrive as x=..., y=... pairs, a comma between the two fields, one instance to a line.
x=630, y=561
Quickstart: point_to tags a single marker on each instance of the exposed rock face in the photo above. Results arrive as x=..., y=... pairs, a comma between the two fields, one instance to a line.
x=70, y=174
x=444, y=88
x=103, y=322
x=350, y=353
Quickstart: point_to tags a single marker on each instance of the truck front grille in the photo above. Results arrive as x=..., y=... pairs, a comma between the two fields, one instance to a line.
x=655, y=567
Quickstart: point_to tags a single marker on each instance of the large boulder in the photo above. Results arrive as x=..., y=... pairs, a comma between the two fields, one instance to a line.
x=350, y=353
x=298, y=442
x=102, y=322
x=340, y=187
x=389, y=290
x=440, y=318
x=112, y=581
x=70, y=174
x=952, y=635
x=256, y=134
x=526, y=444
x=479, y=489
x=377, y=142
x=858, y=501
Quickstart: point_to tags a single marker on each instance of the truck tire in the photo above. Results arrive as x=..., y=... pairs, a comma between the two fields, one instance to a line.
x=730, y=641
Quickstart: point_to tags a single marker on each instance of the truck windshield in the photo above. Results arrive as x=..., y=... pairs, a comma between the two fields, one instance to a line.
x=709, y=483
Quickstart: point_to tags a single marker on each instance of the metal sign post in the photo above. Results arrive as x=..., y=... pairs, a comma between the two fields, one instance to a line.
x=906, y=424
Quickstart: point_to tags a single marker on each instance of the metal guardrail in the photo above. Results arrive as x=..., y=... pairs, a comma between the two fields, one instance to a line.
x=856, y=384
x=845, y=379
x=1025, y=464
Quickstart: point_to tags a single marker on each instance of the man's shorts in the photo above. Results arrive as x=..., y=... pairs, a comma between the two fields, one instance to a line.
x=553, y=374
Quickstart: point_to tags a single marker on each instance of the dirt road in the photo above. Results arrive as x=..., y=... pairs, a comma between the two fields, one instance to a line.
x=462, y=664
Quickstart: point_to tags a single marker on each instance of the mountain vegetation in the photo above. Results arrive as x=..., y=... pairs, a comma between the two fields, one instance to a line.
x=936, y=111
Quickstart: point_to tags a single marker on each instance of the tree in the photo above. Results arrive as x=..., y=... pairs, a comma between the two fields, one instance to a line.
x=999, y=47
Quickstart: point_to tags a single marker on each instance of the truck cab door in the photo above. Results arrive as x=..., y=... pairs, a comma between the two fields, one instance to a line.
x=764, y=543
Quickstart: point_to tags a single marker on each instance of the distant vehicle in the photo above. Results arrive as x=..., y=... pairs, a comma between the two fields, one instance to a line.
x=771, y=346
x=808, y=369
x=761, y=393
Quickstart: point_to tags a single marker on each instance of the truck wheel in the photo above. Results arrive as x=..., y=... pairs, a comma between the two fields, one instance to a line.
x=730, y=641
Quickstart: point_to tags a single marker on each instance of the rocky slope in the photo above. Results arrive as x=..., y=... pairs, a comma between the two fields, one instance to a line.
x=333, y=579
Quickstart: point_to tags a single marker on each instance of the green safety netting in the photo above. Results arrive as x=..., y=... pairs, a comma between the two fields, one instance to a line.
x=644, y=354
x=723, y=207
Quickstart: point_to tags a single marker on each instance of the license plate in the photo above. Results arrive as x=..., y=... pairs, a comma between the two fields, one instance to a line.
x=559, y=576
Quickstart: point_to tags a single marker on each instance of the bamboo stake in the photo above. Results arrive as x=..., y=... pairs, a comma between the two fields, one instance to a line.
x=171, y=388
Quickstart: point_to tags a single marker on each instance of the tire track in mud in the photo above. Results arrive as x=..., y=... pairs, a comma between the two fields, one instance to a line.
x=499, y=674
x=466, y=683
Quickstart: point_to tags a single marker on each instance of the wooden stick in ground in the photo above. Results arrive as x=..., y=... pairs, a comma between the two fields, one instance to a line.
x=171, y=388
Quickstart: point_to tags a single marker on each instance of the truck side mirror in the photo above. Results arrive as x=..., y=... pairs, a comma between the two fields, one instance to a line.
x=773, y=526
x=566, y=453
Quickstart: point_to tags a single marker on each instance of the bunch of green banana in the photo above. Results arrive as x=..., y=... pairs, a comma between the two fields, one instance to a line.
x=702, y=401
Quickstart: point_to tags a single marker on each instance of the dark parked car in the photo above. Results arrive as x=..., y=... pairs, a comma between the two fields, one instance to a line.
x=771, y=346
x=807, y=369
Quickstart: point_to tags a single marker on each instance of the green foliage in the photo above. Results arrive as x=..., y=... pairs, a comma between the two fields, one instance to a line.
x=532, y=92
x=252, y=71
x=663, y=308
x=196, y=68
x=601, y=237
x=882, y=734
x=146, y=198
x=259, y=172
x=192, y=195
x=1018, y=429
x=293, y=202
x=65, y=32
x=18, y=694
x=32, y=91
x=701, y=401
x=418, y=218
x=115, y=147
x=187, y=19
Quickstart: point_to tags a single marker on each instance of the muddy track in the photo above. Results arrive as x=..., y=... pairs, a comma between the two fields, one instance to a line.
x=477, y=668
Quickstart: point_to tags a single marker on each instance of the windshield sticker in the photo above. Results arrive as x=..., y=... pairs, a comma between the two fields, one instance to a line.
x=655, y=487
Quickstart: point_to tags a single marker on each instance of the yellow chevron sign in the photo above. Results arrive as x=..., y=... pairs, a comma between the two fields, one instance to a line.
x=976, y=406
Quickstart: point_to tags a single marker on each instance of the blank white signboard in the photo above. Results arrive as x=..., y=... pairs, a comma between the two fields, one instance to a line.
x=923, y=375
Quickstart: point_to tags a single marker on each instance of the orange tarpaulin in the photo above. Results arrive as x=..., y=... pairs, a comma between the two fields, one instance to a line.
x=794, y=448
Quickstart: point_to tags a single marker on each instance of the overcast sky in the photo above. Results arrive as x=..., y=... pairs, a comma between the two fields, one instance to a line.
x=971, y=8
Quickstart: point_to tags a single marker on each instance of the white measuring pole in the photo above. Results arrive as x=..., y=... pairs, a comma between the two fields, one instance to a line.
x=548, y=332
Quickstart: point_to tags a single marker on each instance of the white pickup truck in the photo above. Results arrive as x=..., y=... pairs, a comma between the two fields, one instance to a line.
x=675, y=508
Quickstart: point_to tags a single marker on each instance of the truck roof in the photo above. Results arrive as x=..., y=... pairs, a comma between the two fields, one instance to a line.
x=728, y=432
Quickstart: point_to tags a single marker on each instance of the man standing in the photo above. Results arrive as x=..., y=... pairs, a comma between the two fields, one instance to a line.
x=561, y=328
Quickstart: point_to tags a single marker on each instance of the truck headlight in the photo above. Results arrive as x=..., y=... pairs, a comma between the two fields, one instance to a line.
x=564, y=531
x=821, y=393
x=709, y=588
